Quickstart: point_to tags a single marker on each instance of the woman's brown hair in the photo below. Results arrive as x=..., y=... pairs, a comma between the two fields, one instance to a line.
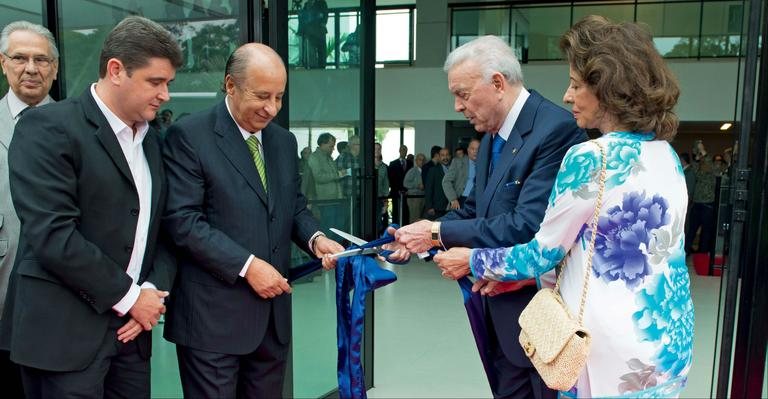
x=620, y=63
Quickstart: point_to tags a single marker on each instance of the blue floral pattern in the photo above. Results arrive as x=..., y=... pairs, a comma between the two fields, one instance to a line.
x=666, y=317
x=576, y=170
x=623, y=159
x=624, y=236
x=679, y=165
x=519, y=262
x=581, y=165
x=638, y=281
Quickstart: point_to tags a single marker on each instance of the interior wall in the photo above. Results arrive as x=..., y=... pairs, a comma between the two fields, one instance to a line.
x=708, y=91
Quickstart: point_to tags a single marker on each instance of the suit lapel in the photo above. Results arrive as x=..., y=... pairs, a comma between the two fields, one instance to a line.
x=481, y=173
x=105, y=134
x=6, y=123
x=522, y=127
x=154, y=160
x=231, y=143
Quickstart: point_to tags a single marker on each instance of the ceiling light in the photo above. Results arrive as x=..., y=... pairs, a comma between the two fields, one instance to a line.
x=726, y=126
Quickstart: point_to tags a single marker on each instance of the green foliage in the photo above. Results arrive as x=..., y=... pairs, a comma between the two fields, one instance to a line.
x=711, y=46
x=380, y=134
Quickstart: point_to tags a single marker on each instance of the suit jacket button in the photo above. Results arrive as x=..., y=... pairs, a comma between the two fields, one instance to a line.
x=274, y=249
x=128, y=248
x=273, y=218
x=134, y=212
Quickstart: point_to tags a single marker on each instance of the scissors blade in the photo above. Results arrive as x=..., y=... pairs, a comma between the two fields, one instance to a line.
x=349, y=237
x=355, y=252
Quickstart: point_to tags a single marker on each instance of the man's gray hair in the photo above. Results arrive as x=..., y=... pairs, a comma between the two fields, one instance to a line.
x=491, y=54
x=28, y=26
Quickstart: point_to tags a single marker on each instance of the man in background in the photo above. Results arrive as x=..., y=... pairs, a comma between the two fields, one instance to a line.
x=30, y=61
x=396, y=173
x=435, y=202
x=460, y=178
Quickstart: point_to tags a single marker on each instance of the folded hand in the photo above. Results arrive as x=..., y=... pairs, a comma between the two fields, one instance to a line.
x=265, y=280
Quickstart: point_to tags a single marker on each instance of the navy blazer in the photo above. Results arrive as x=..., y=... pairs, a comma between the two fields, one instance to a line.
x=507, y=207
x=218, y=213
x=78, y=206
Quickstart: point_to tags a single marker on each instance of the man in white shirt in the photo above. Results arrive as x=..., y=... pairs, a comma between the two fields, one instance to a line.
x=88, y=183
x=30, y=61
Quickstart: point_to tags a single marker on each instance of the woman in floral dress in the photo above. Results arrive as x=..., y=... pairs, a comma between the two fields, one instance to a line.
x=638, y=306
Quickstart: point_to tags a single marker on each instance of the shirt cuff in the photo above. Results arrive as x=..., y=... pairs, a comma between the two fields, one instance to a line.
x=245, y=267
x=128, y=301
x=471, y=259
x=311, y=242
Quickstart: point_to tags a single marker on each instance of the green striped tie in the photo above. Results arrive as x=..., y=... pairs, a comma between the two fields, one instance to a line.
x=253, y=147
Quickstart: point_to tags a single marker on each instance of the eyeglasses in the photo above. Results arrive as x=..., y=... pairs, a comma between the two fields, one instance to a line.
x=39, y=60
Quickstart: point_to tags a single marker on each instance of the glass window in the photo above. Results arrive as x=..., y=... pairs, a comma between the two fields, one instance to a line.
x=675, y=27
x=615, y=12
x=349, y=39
x=468, y=24
x=341, y=47
x=389, y=137
x=15, y=10
x=393, y=34
x=541, y=28
x=722, y=23
x=324, y=100
x=207, y=35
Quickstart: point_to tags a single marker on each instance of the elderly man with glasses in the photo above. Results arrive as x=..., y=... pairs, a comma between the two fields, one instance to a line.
x=29, y=62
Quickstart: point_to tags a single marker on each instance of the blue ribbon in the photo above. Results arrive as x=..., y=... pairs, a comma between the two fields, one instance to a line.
x=363, y=275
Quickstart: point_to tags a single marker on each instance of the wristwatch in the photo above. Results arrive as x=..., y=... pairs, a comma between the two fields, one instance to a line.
x=435, y=230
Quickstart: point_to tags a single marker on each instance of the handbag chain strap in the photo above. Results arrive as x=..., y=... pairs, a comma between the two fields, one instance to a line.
x=593, y=226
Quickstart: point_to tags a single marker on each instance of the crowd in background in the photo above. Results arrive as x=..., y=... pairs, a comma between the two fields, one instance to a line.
x=408, y=188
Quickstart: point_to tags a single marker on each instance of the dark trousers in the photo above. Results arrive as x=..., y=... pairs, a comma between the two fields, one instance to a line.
x=117, y=371
x=702, y=216
x=257, y=375
x=11, y=375
x=510, y=380
x=462, y=199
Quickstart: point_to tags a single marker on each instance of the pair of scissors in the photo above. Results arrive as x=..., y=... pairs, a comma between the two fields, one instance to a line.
x=361, y=248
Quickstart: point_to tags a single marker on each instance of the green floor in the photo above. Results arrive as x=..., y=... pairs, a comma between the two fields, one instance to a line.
x=423, y=345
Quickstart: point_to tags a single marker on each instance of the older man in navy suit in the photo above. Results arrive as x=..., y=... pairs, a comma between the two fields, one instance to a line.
x=527, y=137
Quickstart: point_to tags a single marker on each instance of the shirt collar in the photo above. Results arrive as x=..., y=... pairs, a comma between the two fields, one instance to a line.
x=246, y=134
x=115, y=123
x=509, y=122
x=15, y=105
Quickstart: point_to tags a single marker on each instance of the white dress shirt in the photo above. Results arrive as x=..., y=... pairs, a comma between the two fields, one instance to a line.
x=133, y=150
x=15, y=105
x=509, y=122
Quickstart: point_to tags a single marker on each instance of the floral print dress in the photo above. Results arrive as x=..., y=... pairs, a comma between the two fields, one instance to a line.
x=638, y=306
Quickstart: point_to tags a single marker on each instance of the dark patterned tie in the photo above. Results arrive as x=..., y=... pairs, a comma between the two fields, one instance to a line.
x=23, y=111
x=498, y=144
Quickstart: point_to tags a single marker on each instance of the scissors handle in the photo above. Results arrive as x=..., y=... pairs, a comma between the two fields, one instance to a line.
x=385, y=253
